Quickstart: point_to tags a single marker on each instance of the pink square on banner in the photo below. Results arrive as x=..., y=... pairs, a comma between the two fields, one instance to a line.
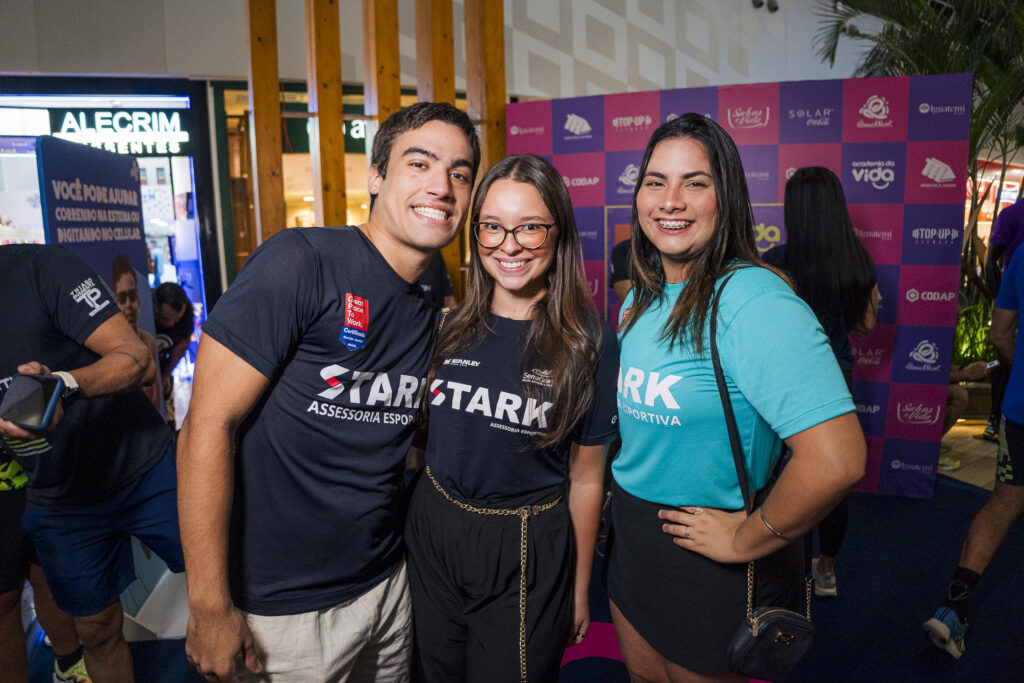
x=915, y=411
x=792, y=157
x=927, y=295
x=872, y=354
x=529, y=127
x=629, y=119
x=875, y=109
x=869, y=483
x=880, y=229
x=936, y=172
x=583, y=174
x=750, y=113
x=595, y=272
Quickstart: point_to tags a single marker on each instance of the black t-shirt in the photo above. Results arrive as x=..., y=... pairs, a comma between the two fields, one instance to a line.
x=52, y=303
x=484, y=422
x=618, y=263
x=435, y=283
x=345, y=342
x=168, y=337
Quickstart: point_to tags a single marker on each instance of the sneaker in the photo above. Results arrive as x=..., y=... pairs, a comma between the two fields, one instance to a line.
x=991, y=432
x=824, y=582
x=948, y=463
x=76, y=673
x=946, y=631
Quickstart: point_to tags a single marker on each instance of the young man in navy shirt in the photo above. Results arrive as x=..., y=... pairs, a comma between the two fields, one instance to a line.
x=307, y=382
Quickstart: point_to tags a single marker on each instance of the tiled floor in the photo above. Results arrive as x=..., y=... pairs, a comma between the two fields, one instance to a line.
x=977, y=456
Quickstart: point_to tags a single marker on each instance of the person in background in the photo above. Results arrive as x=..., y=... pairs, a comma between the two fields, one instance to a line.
x=680, y=537
x=126, y=292
x=833, y=272
x=437, y=285
x=947, y=628
x=522, y=407
x=618, y=270
x=174, y=321
x=956, y=404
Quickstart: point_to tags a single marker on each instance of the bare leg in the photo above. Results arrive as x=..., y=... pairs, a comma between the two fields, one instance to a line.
x=990, y=526
x=956, y=404
x=13, y=659
x=106, y=652
x=58, y=624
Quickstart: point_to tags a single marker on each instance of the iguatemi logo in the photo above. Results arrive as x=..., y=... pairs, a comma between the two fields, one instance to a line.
x=914, y=295
x=357, y=322
x=915, y=413
x=876, y=108
x=813, y=117
x=937, y=171
x=648, y=390
x=879, y=174
x=577, y=125
x=533, y=130
x=627, y=179
x=955, y=109
x=748, y=117
x=88, y=292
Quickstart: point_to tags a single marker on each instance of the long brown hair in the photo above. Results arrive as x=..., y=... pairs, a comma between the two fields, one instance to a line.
x=732, y=237
x=564, y=333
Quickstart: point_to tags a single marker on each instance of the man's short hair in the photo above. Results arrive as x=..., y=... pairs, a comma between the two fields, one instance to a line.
x=416, y=116
x=121, y=266
x=172, y=294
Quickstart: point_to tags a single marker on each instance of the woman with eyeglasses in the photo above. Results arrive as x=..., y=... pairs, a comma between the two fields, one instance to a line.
x=520, y=393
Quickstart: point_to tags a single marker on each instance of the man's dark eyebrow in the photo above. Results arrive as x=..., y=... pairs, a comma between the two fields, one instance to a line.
x=433, y=157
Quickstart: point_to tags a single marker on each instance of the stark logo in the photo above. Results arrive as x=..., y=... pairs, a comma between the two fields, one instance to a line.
x=88, y=292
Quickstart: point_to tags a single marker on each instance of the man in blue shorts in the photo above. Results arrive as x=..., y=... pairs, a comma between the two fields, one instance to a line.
x=308, y=378
x=989, y=527
x=105, y=472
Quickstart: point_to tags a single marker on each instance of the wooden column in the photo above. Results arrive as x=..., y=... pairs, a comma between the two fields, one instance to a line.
x=382, y=91
x=265, y=109
x=326, y=136
x=485, y=76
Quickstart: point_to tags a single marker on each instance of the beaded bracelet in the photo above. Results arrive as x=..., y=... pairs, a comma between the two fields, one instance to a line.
x=770, y=527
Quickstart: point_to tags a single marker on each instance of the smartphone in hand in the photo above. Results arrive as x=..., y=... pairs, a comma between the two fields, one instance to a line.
x=30, y=400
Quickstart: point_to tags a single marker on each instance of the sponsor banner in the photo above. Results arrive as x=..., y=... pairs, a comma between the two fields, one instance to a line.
x=915, y=411
x=761, y=168
x=874, y=173
x=578, y=125
x=908, y=468
x=927, y=295
x=871, y=399
x=811, y=111
x=792, y=157
x=750, y=113
x=922, y=354
x=880, y=229
x=769, y=227
x=583, y=175
x=675, y=103
x=529, y=128
x=621, y=173
x=889, y=289
x=629, y=119
x=940, y=107
x=590, y=224
x=933, y=234
x=869, y=482
x=597, y=280
x=875, y=109
x=935, y=172
x=872, y=354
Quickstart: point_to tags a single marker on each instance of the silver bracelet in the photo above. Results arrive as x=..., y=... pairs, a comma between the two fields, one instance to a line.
x=770, y=527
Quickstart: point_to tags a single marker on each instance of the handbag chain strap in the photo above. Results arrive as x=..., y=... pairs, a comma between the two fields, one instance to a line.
x=737, y=449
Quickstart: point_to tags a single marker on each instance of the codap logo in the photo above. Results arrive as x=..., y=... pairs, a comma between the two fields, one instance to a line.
x=577, y=125
x=875, y=108
x=581, y=181
x=915, y=295
x=868, y=408
x=879, y=173
x=748, y=117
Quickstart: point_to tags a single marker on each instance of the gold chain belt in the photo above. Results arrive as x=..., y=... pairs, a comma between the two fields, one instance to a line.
x=524, y=514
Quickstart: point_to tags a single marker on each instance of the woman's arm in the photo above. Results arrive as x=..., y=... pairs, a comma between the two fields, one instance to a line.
x=586, y=490
x=827, y=460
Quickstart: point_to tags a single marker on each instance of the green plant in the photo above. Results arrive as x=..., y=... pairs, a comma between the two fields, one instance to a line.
x=970, y=341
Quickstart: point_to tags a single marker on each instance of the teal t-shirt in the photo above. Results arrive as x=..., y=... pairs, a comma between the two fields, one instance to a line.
x=781, y=375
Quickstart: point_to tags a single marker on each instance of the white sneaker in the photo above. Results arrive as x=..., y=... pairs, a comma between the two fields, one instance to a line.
x=824, y=582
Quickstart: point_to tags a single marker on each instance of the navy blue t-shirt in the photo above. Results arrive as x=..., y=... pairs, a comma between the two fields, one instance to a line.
x=345, y=342
x=52, y=303
x=484, y=421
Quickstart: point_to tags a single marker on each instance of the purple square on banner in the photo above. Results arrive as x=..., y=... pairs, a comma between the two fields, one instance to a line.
x=874, y=172
x=761, y=167
x=922, y=354
x=529, y=127
x=621, y=171
x=596, y=279
x=908, y=468
x=915, y=411
x=940, y=107
x=675, y=103
x=769, y=227
x=880, y=229
x=578, y=124
x=871, y=399
x=590, y=225
x=811, y=111
x=928, y=295
x=630, y=118
x=932, y=234
x=583, y=174
x=872, y=354
x=889, y=288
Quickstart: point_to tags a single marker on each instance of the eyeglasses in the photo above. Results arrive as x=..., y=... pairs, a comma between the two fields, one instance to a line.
x=528, y=235
x=128, y=295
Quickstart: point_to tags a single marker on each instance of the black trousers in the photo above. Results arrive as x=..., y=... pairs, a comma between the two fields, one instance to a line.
x=464, y=571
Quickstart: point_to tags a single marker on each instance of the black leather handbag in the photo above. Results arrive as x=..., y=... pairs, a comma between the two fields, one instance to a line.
x=770, y=640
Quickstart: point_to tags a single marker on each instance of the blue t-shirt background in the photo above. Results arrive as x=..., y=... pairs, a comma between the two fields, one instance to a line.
x=1011, y=294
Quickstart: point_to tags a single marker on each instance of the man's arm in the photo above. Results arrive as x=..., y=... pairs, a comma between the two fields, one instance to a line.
x=1003, y=333
x=224, y=390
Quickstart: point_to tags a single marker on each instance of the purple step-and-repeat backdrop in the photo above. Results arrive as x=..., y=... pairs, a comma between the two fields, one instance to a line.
x=900, y=147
